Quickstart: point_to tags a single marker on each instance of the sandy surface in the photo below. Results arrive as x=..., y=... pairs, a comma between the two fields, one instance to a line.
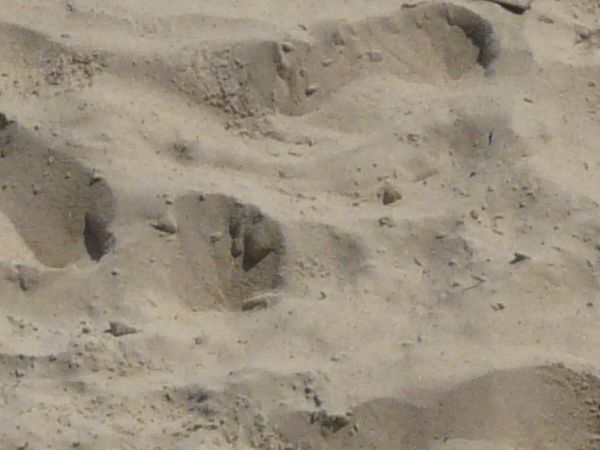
x=299, y=224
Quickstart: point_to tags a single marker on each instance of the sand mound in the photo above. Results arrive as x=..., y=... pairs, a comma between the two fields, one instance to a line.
x=323, y=257
x=58, y=67
x=61, y=209
x=232, y=251
x=428, y=42
x=538, y=407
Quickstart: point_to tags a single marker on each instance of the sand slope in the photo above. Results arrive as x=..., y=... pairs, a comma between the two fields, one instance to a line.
x=299, y=225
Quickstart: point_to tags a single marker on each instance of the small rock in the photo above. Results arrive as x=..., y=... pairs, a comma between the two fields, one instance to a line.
x=498, y=307
x=338, y=39
x=215, y=237
x=519, y=257
x=95, y=177
x=287, y=47
x=375, y=56
x=332, y=423
x=474, y=214
x=119, y=329
x=386, y=222
x=28, y=277
x=413, y=138
x=390, y=195
x=114, y=272
x=311, y=89
x=259, y=302
x=166, y=224
x=254, y=303
x=318, y=401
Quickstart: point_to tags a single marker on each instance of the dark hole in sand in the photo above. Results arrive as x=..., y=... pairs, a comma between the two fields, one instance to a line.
x=513, y=8
x=97, y=238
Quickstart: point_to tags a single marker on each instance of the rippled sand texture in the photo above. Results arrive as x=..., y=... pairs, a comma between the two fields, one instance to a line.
x=300, y=224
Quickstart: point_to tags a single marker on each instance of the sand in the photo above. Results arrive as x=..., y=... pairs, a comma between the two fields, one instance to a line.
x=300, y=224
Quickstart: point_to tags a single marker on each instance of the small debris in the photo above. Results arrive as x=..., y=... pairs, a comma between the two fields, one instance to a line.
x=375, y=56
x=519, y=257
x=498, y=307
x=390, y=195
x=338, y=357
x=318, y=401
x=311, y=89
x=332, y=423
x=254, y=304
x=95, y=177
x=474, y=214
x=546, y=19
x=338, y=39
x=119, y=329
x=261, y=301
x=166, y=224
x=288, y=47
x=27, y=277
x=386, y=222
x=413, y=138
x=114, y=272
x=215, y=237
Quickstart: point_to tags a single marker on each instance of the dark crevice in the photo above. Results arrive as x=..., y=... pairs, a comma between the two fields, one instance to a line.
x=478, y=30
x=511, y=7
x=97, y=238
